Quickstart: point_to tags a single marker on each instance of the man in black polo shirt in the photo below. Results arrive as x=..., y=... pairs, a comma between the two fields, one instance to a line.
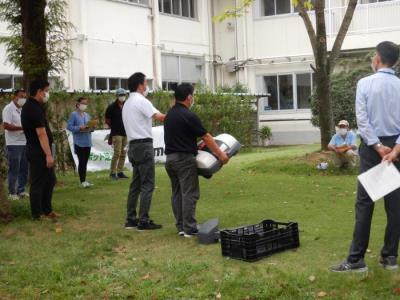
x=38, y=150
x=182, y=128
x=118, y=135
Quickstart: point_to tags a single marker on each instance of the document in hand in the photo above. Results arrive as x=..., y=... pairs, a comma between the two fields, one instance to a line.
x=380, y=180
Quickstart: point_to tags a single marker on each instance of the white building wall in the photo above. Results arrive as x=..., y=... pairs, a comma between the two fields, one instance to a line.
x=280, y=45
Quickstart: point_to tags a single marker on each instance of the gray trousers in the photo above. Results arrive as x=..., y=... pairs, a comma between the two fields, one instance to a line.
x=141, y=157
x=365, y=207
x=182, y=171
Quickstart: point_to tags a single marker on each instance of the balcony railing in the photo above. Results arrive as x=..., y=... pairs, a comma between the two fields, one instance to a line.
x=373, y=17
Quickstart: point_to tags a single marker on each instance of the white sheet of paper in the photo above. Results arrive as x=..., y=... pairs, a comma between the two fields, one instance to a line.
x=380, y=180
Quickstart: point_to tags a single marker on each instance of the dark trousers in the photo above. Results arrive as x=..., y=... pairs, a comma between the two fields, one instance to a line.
x=17, y=169
x=182, y=171
x=141, y=156
x=83, y=154
x=365, y=207
x=43, y=180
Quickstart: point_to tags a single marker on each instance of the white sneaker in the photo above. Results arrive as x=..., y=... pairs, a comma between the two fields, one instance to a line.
x=13, y=197
x=23, y=195
x=86, y=184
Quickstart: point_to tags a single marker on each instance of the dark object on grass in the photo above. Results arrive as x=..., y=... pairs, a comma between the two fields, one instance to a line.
x=208, y=232
x=251, y=243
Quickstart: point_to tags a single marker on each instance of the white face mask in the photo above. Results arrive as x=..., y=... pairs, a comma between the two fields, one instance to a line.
x=343, y=131
x=82, y=107
x=146, y=92
x=21, y=101
x=121, y=98
x=46, y=97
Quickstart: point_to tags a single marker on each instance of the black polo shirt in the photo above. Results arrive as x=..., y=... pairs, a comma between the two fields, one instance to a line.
x=114, y=113
x=181, y=130
x=33, y=116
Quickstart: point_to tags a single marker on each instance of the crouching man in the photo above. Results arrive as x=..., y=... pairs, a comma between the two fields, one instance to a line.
x=182, y=128
x=343, y=144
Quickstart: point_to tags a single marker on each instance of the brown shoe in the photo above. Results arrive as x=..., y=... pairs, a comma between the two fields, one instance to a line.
x=53, y=215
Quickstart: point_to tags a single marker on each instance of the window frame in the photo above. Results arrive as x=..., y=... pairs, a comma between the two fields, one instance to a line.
x=180, y=16
x=134, y=3
x=179, y=80
x=294, y=91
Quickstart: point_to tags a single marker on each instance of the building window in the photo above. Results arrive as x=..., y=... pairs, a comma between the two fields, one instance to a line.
x=278, y=7
x=142, y=2
x=182, y=8
x=178, y=69
x=111, y=84
x=288, y=92
x=372, y=1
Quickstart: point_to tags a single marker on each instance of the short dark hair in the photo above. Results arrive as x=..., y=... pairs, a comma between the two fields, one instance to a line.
x=38, y=84
x=182, y=91
x=16, y=92
x=80, y=99
x=135, y=80
x=389, y=53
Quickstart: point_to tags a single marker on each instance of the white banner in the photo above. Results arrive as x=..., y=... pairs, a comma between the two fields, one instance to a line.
x=101, y=153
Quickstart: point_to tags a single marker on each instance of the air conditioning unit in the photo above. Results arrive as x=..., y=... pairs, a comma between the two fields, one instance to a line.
x=231, y=67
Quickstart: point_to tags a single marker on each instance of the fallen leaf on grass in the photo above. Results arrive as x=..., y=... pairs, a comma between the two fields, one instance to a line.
x=218, y=296
x=58, y=228
x=311, y=278
x=369, y=251
x=396, y=291
x=322, y=294
x=146, y=277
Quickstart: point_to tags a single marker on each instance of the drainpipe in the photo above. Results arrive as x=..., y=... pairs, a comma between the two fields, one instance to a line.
x=236, y=42
x=214, y=45
x=84, y=45
x=155, y=38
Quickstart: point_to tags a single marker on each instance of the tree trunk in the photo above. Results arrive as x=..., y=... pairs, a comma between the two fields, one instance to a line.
x=325, y=108
x=323, y=76
x=35, y=63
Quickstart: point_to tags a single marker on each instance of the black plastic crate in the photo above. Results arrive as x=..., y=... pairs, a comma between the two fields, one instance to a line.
x=251, y=243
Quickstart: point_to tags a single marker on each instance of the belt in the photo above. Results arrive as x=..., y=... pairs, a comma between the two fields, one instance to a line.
x=179, y=155
x=140, y=141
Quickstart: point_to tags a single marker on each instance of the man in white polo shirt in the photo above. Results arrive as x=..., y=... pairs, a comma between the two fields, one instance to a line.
x=16, y=146
x=138, y=114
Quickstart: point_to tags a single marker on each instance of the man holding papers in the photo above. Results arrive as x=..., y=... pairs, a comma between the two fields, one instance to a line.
x=378, y=119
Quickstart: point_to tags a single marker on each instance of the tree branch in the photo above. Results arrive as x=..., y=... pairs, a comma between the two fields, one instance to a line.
x=309, y=26
x=344, y=27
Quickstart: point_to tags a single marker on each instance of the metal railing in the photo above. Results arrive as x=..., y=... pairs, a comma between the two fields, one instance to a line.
x=373, y=17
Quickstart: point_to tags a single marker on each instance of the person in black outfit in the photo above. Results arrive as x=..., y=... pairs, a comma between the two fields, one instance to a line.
x=182, y=128
x=118, y=135
x=39, y=140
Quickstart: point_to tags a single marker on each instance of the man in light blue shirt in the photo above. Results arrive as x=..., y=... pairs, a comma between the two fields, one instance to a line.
x=378, y=119
x=343, y=144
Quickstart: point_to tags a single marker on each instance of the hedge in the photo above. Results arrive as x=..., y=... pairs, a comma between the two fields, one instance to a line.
x=219, y=112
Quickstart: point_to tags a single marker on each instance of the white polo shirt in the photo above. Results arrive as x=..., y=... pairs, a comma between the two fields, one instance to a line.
x=12, y=115
x=137, y=115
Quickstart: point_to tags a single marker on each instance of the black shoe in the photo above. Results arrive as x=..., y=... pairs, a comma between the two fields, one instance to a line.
x=347, y=266
x=150, y=225
x=121, y=175
x=389, y=263
x=181, y=233
x=131, y=224
x=191, y=233
x=113, y=176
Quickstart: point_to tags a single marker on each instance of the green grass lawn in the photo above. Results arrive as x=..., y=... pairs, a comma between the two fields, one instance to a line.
x=90, y=256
